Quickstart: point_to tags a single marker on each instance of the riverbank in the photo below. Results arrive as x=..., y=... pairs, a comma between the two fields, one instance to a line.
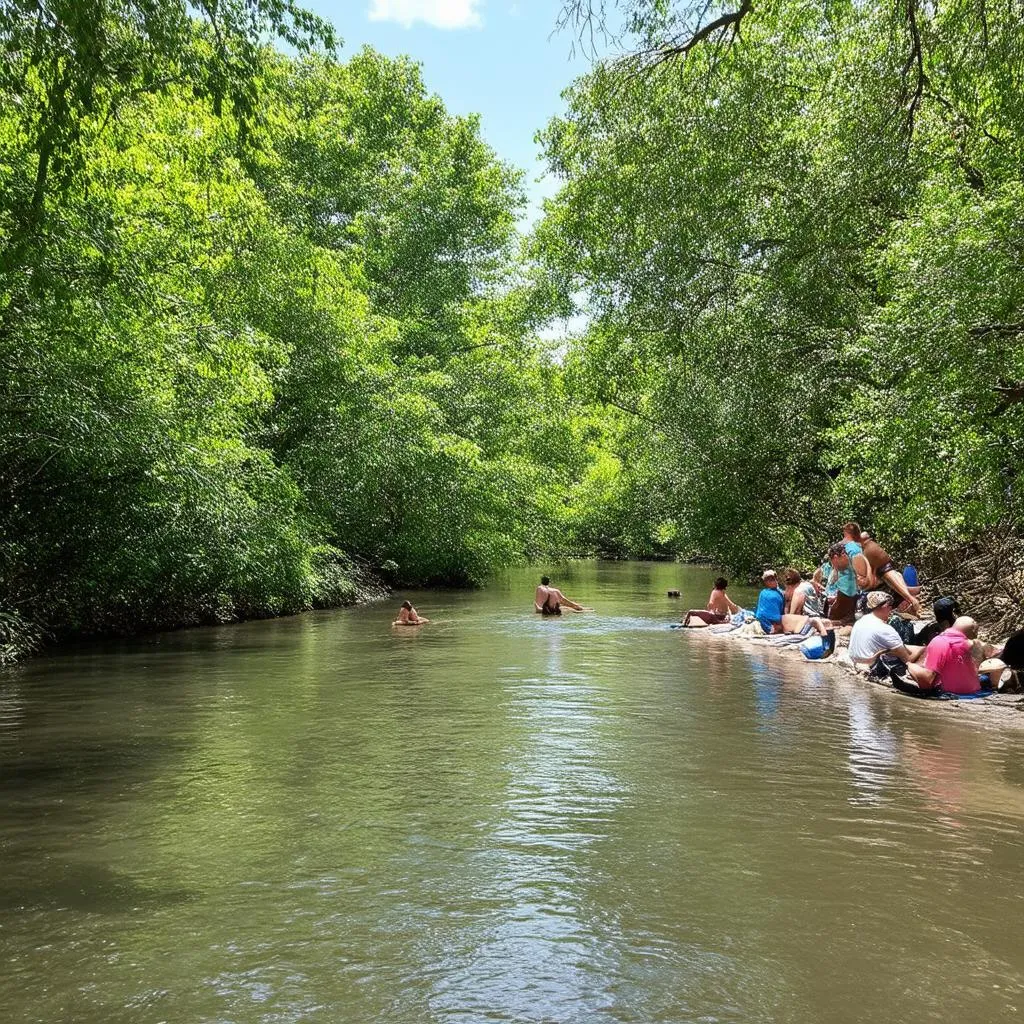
x=1000, y=711
x=337, y=586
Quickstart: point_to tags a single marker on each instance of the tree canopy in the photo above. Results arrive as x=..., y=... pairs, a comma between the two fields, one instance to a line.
x=268, y=329
x=798, y=230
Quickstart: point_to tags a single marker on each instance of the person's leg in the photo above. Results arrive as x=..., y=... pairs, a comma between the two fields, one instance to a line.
x=705, y=617
x=898, y=585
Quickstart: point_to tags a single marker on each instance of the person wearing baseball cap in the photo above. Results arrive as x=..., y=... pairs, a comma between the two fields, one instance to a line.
x=770, y=603
x=878, y=649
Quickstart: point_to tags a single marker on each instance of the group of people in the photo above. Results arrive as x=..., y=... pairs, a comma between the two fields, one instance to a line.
x=858, y=585
x=945, y=657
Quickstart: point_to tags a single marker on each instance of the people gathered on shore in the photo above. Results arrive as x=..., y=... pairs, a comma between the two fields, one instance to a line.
x=859, y=589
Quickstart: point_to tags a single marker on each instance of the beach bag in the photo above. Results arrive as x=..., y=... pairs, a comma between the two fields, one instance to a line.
x=813, y=648
x=904, y=627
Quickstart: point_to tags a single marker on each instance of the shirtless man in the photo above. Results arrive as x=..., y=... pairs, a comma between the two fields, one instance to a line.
x=548, y=600
x=880, y=568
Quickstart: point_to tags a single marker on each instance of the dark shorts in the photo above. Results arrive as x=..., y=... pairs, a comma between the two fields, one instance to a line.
x=842, y=609
x=888, y=666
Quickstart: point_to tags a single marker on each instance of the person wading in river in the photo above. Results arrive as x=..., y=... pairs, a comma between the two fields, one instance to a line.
x=548, y=600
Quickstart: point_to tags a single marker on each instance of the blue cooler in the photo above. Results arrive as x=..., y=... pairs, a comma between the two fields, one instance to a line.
x=813, y=648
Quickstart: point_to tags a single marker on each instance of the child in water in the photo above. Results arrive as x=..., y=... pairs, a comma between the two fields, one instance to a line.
x=408, y=616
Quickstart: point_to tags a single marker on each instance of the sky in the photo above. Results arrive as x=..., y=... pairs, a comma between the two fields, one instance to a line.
x=500, y=59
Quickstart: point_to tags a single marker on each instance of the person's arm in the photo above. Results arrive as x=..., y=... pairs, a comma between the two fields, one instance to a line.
x=907, y=654
x=732, y=605
x=862, y=570
x=566, y=601
x=926, y=678
x=710, y=606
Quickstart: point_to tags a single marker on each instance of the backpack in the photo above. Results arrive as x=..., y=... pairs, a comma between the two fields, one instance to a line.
x=903, y=627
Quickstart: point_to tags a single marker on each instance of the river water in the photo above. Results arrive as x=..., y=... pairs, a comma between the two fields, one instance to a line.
x=497, y=818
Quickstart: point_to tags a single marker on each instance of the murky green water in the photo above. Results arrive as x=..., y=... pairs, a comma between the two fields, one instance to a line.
x=497, y=818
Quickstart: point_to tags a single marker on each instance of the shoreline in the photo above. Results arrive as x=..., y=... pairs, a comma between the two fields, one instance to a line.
x=1000, y=711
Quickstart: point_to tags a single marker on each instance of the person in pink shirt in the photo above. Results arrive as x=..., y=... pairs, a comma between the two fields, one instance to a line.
x=948, y=660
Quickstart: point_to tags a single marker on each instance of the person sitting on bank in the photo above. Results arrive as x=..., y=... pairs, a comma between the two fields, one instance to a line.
x=770, y=603
x=408, y=616
x=949, y=662
x=946, y=611
x=842, y=609
x=548, y=600
x=808, y=597
x=876, y=648
x=880, y=570
x=718, y=609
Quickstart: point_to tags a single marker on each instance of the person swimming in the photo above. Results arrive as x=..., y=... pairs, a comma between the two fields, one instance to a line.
x=548, y=600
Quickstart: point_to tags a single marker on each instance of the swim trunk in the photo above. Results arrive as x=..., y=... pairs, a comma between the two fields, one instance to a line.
x=550, y=609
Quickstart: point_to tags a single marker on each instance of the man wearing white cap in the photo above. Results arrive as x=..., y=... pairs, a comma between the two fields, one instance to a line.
x=770, y=603
x=878, y=649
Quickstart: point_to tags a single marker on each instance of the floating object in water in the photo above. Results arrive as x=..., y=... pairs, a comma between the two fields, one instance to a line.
x=910, y=576
x=673, y=593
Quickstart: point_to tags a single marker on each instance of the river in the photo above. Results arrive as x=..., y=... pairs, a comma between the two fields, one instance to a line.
x=497, y=817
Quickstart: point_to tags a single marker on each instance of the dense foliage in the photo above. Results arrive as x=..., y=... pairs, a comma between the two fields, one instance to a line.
x=267, y=329
x=800, y=231
x=263, y=326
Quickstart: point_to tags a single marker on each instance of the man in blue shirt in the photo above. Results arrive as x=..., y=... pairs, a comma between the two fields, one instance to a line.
x=770, y=603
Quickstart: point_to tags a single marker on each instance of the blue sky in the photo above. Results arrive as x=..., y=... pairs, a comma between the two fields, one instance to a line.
x=497, y=58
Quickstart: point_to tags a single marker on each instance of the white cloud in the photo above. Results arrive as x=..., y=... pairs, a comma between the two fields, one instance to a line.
x=439, y=13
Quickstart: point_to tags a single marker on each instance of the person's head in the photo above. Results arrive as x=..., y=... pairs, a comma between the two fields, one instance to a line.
x=851, y=531
x=545, y=580
x=946, y=611
x=880, y=603
x=769, y=578
x=792, y=577
x=721, y=583
x=966, y=625
x=407, y=605
x=838, y=556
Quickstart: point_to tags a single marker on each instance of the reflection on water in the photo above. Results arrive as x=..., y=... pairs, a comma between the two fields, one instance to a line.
x=496, y=817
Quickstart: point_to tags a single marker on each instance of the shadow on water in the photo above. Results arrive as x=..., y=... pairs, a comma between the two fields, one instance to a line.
x=87, y=888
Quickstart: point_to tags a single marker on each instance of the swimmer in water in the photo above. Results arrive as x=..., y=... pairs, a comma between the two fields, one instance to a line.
x=408, y=616
x=548, y=600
